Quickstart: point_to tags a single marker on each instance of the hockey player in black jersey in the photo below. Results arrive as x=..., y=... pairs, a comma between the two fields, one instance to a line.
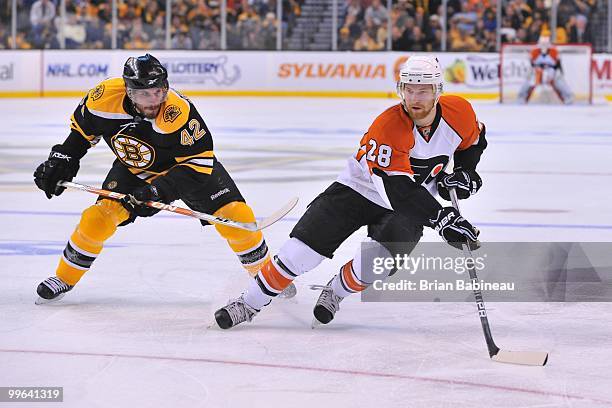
x=164, y=152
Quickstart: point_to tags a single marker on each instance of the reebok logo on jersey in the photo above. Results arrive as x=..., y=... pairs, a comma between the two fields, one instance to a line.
x=58, y=155
x=219, y=194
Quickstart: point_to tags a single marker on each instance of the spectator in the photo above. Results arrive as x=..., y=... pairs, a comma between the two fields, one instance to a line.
x=418, y=40
x=94, y=34
x=210, y=38
x=74, y=32
x=157, y=32
x=4, y=38
x=365, y=43
x=22, y=42
x=433, y=34
x=181, y=41
x=466, y=19
x=376, y=12
x=578, y=32
x=405, y=40
x=353, y=8
x=345, y=43
x=42, y=14
x=268, y=31
x=138, y=41
x=465, y=42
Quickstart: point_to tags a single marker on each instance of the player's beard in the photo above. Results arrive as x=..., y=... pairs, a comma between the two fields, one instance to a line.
x=149, y=111
x=418, y=111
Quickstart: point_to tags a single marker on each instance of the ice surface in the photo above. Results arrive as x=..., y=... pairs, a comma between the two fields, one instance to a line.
x=134, y=332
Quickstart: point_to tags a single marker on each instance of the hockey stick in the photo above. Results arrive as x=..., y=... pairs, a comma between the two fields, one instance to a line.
x=532, y=358
x=249, y=226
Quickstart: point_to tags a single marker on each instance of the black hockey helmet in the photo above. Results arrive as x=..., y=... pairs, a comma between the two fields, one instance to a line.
x=144, y=72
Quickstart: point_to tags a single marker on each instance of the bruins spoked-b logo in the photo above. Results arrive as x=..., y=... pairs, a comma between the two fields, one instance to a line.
x=133, y=152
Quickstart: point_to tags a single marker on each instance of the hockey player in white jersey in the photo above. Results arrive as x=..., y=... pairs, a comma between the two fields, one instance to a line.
x=546, y=70
x=389, y=185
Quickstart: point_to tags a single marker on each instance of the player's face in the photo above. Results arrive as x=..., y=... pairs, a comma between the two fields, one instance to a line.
x=419, y=98
x=148, y=101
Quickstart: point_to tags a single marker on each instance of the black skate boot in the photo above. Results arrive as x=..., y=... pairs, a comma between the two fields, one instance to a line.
x=234, y=313
x=327, y=304
x=52, y=289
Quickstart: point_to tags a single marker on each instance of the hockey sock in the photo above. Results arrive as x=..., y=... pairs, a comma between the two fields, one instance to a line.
x=250, y=247
x=273, y=278
x=354, y=278
x=98, y=223
x=293, y=259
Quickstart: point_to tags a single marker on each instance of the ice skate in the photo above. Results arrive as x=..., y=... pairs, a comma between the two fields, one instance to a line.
x=51, y=290
x=235, y=312
x=327, y=304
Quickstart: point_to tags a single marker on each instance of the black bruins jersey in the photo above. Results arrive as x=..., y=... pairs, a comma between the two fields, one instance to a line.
x=176, y=143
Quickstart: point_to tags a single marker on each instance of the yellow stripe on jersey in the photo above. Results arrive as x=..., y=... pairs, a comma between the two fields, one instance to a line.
x=173, y=114
x=146, y=175
x=74, y=125
x=202, y=162
x=206, y=154
x=198, y=168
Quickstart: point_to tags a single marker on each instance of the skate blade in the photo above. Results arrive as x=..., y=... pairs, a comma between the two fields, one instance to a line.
x=289, y=292
x=42, y=301
x=213, y=325
x=315, y=323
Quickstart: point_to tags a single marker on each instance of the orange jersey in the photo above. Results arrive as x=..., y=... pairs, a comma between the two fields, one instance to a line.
x=544, y=60
x=393, y=144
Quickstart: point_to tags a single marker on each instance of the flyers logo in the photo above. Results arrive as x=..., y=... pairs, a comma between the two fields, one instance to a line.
x=133, y=152
x=426, y=170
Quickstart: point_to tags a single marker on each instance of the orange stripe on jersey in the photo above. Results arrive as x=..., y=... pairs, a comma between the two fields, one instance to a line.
x=553, y=52
x=460, y=116
x=347, y=275
x=273, y=277
x=387, y=143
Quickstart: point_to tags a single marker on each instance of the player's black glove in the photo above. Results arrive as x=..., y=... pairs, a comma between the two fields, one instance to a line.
x=455, y=229
x=59, y=166
x=134, y=202
x=466, y=183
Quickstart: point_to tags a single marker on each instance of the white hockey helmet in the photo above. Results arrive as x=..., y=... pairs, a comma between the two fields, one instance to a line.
x=544, y=43
x=421, y=70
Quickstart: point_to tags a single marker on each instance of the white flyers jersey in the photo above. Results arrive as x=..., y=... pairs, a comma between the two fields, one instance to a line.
x=394, y=144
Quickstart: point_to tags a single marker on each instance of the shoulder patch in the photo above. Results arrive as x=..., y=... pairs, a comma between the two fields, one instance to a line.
x=106, y=99
x=97, y=92
x=171, y=113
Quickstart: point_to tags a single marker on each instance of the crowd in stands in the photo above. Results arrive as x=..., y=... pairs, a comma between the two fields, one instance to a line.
x=415, y=25
x=141, y=24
